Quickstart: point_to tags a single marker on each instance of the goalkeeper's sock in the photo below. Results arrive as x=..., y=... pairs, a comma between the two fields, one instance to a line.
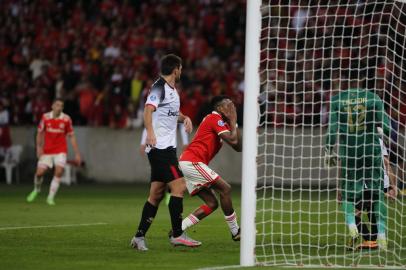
x=53, y=189
x=38, y=182
x=189, y=221
x=175, y=210
x=148, y=215
x=232, y=223
x=362, y=229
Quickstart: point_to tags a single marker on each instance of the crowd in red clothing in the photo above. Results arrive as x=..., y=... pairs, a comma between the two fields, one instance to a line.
x=311, y=47
x=101, y=56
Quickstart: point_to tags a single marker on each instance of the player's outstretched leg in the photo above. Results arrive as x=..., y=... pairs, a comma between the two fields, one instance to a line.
x=149, y=211
x=203, y=211
x=224, y=190
x=38, y=179
x=178, y=237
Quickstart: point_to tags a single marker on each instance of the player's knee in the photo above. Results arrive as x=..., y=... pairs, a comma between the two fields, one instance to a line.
x=155, y=199
x=213, y=205
x=226, y=190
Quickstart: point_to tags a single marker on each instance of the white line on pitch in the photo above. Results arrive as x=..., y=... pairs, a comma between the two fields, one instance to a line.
x=51, y=226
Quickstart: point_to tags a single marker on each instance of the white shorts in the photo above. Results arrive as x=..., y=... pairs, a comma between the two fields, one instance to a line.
x=48, y=161
x=197, y=175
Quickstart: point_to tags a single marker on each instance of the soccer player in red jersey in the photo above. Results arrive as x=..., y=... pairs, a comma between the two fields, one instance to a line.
x=52, y=149
x=219, y=126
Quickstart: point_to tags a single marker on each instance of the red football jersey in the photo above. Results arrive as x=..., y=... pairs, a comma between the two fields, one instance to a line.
x=55, y=130
x=206, y=142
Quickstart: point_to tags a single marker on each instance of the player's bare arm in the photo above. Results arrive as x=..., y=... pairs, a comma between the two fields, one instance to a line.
x=40, y=143
x=233, y=138
x=151, y=139
x=75, y=147
x=393, y=191
x=186, y=121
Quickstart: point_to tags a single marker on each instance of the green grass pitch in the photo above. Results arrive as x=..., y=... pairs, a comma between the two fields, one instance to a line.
x=116, y=208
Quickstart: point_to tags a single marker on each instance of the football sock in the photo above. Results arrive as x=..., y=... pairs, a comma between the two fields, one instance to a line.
x=362, y=228
x=53, y=189
x=189, y=221
x=203, y=211
x=232, y=223
x=175, y=210
x=148, y=215
x=38, y=183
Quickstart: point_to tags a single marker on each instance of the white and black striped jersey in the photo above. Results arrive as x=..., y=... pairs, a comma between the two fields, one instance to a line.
x=166, y=101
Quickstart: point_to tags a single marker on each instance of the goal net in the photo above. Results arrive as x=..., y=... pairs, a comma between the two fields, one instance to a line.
x=309, y=52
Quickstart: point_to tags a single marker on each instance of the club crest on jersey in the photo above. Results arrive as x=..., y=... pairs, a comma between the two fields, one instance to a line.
x=153, y=98
x=221, y=123
x=61, y=125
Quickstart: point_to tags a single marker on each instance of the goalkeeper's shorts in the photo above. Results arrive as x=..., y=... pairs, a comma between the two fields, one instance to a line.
x=197, y=175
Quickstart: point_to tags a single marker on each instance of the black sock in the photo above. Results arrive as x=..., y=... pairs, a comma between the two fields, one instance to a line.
x=374, y=226
x=175, y=210
x=148, y=215
x=362, y=228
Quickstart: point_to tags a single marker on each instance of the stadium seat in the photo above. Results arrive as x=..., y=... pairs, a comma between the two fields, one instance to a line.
x=12, y=159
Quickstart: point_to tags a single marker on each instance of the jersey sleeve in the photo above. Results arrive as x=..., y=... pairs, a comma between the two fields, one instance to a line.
x=332, y=124
x=154, y=97
x=219, y=126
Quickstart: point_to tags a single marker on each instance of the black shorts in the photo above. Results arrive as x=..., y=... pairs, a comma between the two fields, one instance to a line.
x=164, y=165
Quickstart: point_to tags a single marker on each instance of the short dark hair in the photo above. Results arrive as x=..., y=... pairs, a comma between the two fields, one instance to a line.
x=216, y=101
x=58, y=99
x=169, y=62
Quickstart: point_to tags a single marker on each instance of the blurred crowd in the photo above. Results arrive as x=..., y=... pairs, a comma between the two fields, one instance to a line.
x=311, y=48
x=101, y=57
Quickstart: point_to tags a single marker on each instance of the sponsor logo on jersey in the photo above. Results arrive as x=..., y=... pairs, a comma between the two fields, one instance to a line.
x=221, y=123
x=171, y=113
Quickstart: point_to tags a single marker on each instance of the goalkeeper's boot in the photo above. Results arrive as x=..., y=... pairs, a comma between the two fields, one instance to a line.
x=237, y=236
x=352, y=243
x=31, y=197
x=184, y=240
x=51, y=201
x=138, y=243
x=368, y=245
x=382, y=243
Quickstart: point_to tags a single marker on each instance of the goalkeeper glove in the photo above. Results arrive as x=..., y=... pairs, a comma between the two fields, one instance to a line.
x=330, y=158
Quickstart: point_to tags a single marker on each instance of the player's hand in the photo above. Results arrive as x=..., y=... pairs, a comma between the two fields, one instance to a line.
x=339, y=196
x=151, y=139
x=330, y=158
x=142, y=149
x=188, y=124
x=40, y=152
x=78, y=159
x=392, y=193
x=231, y=114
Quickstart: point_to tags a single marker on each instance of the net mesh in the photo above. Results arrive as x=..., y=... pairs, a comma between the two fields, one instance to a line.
x=310, y=51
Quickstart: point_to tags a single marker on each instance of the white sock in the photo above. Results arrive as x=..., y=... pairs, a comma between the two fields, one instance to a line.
x=189, y=221
x=53, y=189
x=232, y=223
x=37, y=183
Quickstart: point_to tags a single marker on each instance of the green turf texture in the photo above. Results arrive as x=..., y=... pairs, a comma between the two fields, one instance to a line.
x=107, y=246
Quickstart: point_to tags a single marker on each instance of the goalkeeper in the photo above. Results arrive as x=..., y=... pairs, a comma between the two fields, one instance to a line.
x=355, y=115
